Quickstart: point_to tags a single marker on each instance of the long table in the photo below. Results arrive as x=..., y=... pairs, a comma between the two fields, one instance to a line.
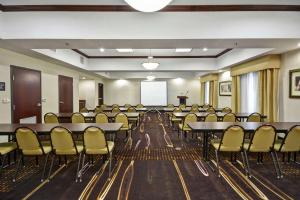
x=9, y=129
x=123, y=109
x=202, y=115
x=188, y=109
x=216, y=127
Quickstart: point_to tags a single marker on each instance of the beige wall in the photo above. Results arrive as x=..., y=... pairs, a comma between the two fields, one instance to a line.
x=128, y=91
x=88, y=90
x=224, y=101
x=49, y=73
x=289, y=109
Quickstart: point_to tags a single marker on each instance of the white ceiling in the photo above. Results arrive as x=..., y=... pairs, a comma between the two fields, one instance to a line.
x=153, y=52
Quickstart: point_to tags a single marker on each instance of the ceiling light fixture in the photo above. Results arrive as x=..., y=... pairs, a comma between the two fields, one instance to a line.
x=299, y=44
x=150, y=65
x=150, y=78
x=205, y=49
x=148, y=5
x=101, y=50
x=183, y=50
x=125, y=50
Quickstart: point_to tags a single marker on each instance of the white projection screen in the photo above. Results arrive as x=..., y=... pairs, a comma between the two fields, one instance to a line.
x=154, y=93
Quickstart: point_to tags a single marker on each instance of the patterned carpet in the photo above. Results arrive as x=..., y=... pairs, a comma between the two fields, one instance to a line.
x=155, y=164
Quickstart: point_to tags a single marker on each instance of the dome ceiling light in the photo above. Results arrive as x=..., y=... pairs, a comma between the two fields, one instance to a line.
x=150, y=65
x=148, y=5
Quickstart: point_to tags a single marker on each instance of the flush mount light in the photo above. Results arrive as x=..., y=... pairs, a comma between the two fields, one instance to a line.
x=124, y=50
x=205, y=49
x=148, y=5
x=150, y=78
x=101, y=50
x=299, y=44
x=183, y=50
x=150, y=65
x=83, y=78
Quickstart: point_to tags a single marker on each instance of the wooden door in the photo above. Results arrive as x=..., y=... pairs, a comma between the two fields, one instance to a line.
x=100, y=94
x=26, y=94
x=65, y=87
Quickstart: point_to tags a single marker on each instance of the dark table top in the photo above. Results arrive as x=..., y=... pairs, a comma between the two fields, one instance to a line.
x=7, y=129
x=188, y=109
x=93, y=115
x=248, y=126
x=220, y=115
x=122, y=109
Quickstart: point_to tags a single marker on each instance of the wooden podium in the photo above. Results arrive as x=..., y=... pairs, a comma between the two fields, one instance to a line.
x=182, y=99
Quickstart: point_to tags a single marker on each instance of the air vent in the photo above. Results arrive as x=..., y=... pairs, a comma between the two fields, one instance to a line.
x=81, y=60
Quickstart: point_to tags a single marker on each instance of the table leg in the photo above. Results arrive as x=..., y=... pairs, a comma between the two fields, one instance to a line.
x=205, y=146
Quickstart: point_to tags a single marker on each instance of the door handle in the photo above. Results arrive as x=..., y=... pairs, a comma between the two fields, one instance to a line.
x=61, y=102
x=39, y=104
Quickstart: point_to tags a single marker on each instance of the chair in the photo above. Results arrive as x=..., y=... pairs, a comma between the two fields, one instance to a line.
x=174, y=119
x=191, y=117
x=232, y=140
x=98, y=110
x=29, y=144
x=206, y=106
x=101, y=118
x=51, y=118
x=77, y=118
x=140, y=105
x=5, y=149
x=182, y=106
x=63, y=144
x=116, y=110
x=229, y=117
x=290, y=143
x=170, y=105
x=211, y=110
x=103, y=106
x=122, y=118
x=133, y=119
x=95, y=143
x=84, y=110
x=262, y=141
x=194, y=110
x=115, y=106
x=226, y=110
x=211, y=117
x=254, y=117
x=195, y=106
x=127, y=105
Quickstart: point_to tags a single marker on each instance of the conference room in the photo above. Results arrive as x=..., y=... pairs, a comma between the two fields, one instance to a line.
x=161, y=99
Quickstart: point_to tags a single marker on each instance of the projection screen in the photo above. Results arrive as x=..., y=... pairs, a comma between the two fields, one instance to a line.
x=154, y=93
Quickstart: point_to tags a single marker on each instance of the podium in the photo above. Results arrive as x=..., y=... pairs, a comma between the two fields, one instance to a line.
x=182, y=99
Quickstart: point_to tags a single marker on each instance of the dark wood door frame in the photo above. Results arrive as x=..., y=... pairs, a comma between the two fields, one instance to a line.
x=100, y=94
x=12, y=68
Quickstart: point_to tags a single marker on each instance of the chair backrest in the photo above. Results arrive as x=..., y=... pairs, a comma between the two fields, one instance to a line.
x=211, y=110
x=182, y=106
x=94, y=138
x=62, y=140
x=27, y=140
x=211, y=117
x=254, y=117
x=194, y=110
x=122, y=118
x=191, y=117
x=101, y=118
x=140, y=105
x=195, y=106
x=176, y=110
x=116, y=110
x=98, y=110
x=232, y=138
x=263, y=139
x=77, y=118
x=226, y=110
x=205, y=106
x=131, y=110
x=84, y=110
x=127, y=105
x=115, y=106
x=103, y=106
x=50, y=118
x=170, y=105
x=229, y=117
x=291, y=142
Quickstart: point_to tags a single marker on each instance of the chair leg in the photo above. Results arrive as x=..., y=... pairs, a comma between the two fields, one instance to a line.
x=278, y=164
x=275, y=165
x=18, y=167
x=82, y=166
x=247, y=163
x=2, y=161
x=110, y=159
x=218, y=165
x=51, y=165
x=44, y=169
x=79, y=159
x=244, y=163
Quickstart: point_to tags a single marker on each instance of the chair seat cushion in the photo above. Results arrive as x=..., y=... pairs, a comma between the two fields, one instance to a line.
x=7, y=147
x=110, y=145
x=254, y=148
x=71, y=151
x=216, y=143
x=36, y=152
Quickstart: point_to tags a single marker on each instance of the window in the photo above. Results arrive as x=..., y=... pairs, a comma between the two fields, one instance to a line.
x=206, y=94
x=249, y=93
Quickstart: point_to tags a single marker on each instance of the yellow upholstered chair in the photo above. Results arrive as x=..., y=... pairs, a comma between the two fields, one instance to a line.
x=84, y=110
x=98, y=110
x=229, y=117
x=101, y=118
x=127, y=105
x=206, y=106
x=226, y=110
x=262, y=141
x=182, y=106
x=95, y=143
x=194, y=110
x=115, y=106
x=195, y=106
x=63, y=144
x=254, y=117
x=211, y=110
x=122, y=118
x=133, y=119
x=174, y=119
x=231, y=141
x=77, y=118
x=169, y=114
x=29, y=145
x=211, y=117
x=51, y=118
x=140, y=105
x=5, y=149
x=103, y=106
x=116, y=110
x=170, y=105
x=184, y=127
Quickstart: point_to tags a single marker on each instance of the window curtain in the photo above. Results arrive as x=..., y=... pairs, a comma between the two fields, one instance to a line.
x=268, y=93
x=202, y=93
x=249, y=92
x=211, y=82
x=236, y=94
x=213, y=93
x=207, y=93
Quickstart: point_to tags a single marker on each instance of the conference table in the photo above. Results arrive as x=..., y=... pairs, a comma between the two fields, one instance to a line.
x=202, y=115
x=188, y=109
x=123, y=109
x=208, y=128
x=66, y=117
